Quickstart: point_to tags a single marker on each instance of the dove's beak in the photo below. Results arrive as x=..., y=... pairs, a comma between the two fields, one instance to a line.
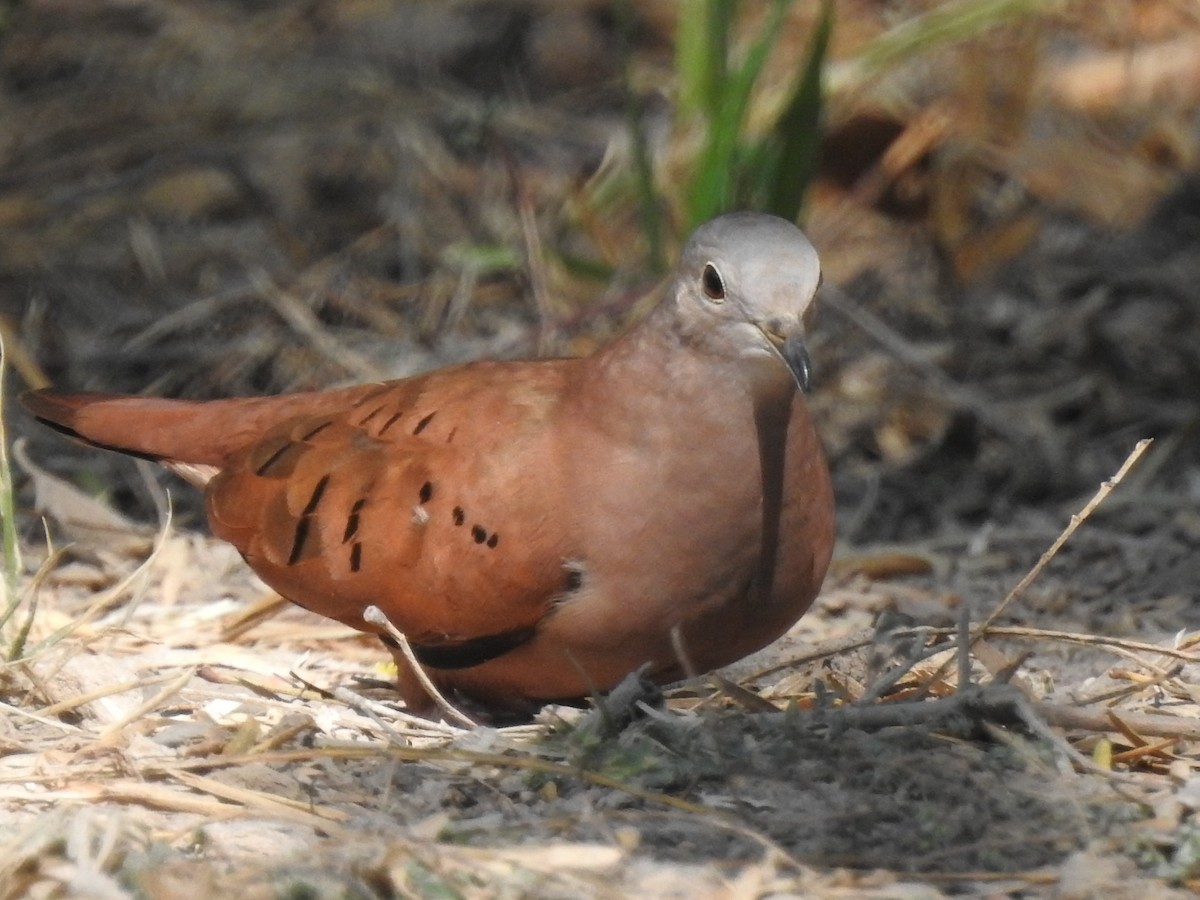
x=794, y=354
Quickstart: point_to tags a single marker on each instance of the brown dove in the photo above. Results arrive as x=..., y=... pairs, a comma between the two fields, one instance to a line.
x=538, y=529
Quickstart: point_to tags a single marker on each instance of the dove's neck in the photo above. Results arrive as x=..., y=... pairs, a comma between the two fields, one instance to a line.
x=661, y=355
x=659, y=370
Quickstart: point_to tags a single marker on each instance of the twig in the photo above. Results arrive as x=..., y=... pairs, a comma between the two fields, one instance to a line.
x=326, y=818
x=963, y=648
x=1032, y=718
x=824, y=650
x=305, y=323
x=1100, y=720
x=994, y=703
x=1134, y=687
x=679, y=648
x=12, y=711
x=73, y=703
x=373, y=615
x=355, y=702
x=103, y=602
x=1076, y=520
x=252, y=615
x=375, y=712
x=893, y=676
x=1129, y=647
x=172, y=688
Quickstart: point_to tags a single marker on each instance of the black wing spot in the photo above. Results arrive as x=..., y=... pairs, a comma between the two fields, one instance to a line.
x=352, y=519
x=316, y=496
x=423, y=423
x=459, y=515
x=574, y=580
x=305, y=521
x=392, y=420
x=298, y=540
x=356, y=557
x=493, y=540
x=309, y=435
x=479, y=533
x=369, y=416
x=426, y=491
x=271, y=460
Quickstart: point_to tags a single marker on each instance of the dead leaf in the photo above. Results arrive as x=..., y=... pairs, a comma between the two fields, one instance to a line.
x=83, y=518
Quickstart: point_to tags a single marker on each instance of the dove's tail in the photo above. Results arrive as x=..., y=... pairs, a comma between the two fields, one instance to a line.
x=197, y=432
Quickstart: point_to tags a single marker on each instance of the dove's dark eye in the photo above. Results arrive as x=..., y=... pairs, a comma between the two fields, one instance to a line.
x=710, y=281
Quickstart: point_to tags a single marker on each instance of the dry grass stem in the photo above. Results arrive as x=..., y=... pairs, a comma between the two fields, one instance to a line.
x=1122, y=646
x=1076, y=520
x=172, y=688
x=373, y=615
x=301, y=319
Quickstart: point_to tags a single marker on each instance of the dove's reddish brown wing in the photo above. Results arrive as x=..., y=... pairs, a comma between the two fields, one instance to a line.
x=427, y=497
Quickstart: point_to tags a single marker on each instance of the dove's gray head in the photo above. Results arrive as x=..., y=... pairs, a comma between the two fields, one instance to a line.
x=744, y=284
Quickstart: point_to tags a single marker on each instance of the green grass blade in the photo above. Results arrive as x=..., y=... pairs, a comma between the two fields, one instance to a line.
x=798, y=131
x=649, y=207
x=8, y=520
x=701, y=54
x=717, y=172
